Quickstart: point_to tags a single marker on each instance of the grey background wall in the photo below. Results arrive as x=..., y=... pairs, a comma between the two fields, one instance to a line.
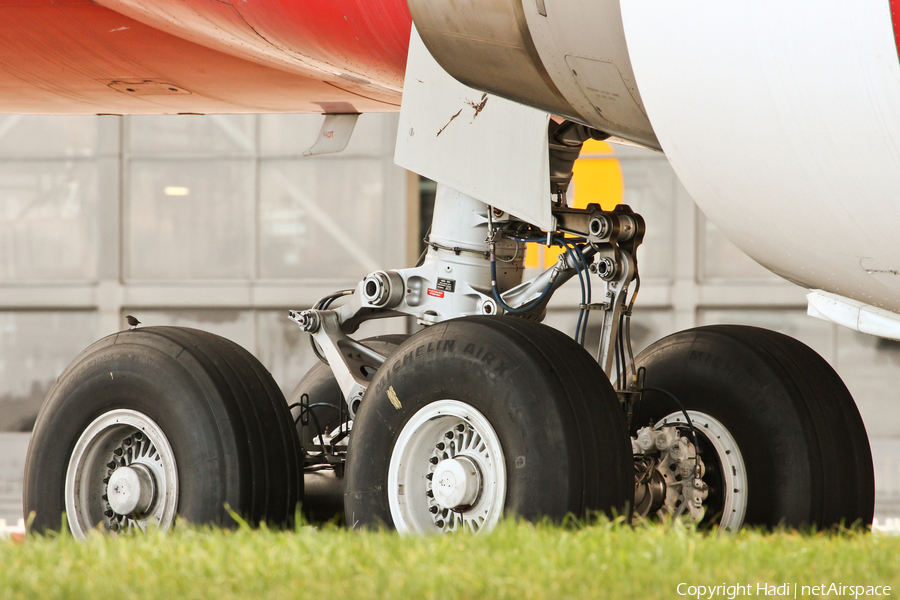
x=210, y=222
x=219, y=223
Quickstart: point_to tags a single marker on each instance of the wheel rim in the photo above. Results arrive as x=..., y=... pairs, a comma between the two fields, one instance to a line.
x=730, y=464
x=447, y=471
x=122, y=473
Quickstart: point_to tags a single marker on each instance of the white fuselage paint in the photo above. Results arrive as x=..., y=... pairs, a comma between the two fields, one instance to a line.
x=782, y=119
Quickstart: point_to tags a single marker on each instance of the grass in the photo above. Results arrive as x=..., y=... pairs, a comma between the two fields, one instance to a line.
x=518, y=560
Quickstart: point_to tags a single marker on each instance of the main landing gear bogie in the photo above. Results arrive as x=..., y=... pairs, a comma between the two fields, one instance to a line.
x=466, y=421
x=479, y=415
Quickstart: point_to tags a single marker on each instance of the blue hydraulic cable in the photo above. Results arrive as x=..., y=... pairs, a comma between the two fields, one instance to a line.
x=571, y=253
x=587, y=280
x=504, y=305
x=516, y=239
x=578, y=256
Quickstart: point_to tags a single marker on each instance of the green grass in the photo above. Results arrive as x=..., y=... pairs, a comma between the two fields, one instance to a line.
x=518, y=560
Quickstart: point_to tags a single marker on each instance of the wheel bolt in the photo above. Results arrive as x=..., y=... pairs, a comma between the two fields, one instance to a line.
x=114, y=527
x=112, y=464
x=117, y=452
x=448, y=435
x=127, y=441
x=439, y=523
x=434, y=460
x=138, y=436
x=430, y=476
x=108, y=512
x=430, y=494
x=440, y=446
x=433, y=510
x=460, y=428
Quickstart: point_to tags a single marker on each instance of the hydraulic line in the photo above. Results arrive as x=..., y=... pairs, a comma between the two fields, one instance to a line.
x=522, y=309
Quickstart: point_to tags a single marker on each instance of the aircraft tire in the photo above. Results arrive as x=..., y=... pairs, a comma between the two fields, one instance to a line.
x=193, y=417
x=513, y=417
x=791, y=419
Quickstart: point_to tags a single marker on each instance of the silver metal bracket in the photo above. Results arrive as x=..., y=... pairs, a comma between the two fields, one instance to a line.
x=352, y=362
x=554, y=277
x=599, y=226
x=616, y=295
x=595, y=306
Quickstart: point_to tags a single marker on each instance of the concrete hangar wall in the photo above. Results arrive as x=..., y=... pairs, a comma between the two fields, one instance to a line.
x=219, y=223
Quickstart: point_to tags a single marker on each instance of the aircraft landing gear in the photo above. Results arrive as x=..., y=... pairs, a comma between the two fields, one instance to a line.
x=729, y=425
x=550, y=430
x=485, y=412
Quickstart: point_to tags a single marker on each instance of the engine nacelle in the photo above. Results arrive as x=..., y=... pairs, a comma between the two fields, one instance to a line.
x=568, y=58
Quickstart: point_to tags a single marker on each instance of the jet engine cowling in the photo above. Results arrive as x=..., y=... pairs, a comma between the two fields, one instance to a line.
x=568, y=58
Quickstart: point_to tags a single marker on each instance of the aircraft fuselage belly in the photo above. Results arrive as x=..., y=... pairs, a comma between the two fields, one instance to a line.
x=79, y=57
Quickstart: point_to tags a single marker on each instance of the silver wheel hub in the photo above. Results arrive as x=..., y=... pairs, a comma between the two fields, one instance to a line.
x=446, y=471
x=122, y=475
x=131, y=490
x=455, y=483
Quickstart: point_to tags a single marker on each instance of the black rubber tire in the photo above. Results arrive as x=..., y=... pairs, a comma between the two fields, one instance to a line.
x=554, y=411
x=321, y=387
x=802, y=439
x=223, y=414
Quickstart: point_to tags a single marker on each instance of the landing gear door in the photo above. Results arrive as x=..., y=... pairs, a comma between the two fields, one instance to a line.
x=491, y=149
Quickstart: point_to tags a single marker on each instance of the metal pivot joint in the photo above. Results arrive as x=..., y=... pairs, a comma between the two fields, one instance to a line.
x=353, y=363
x=383, y=289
